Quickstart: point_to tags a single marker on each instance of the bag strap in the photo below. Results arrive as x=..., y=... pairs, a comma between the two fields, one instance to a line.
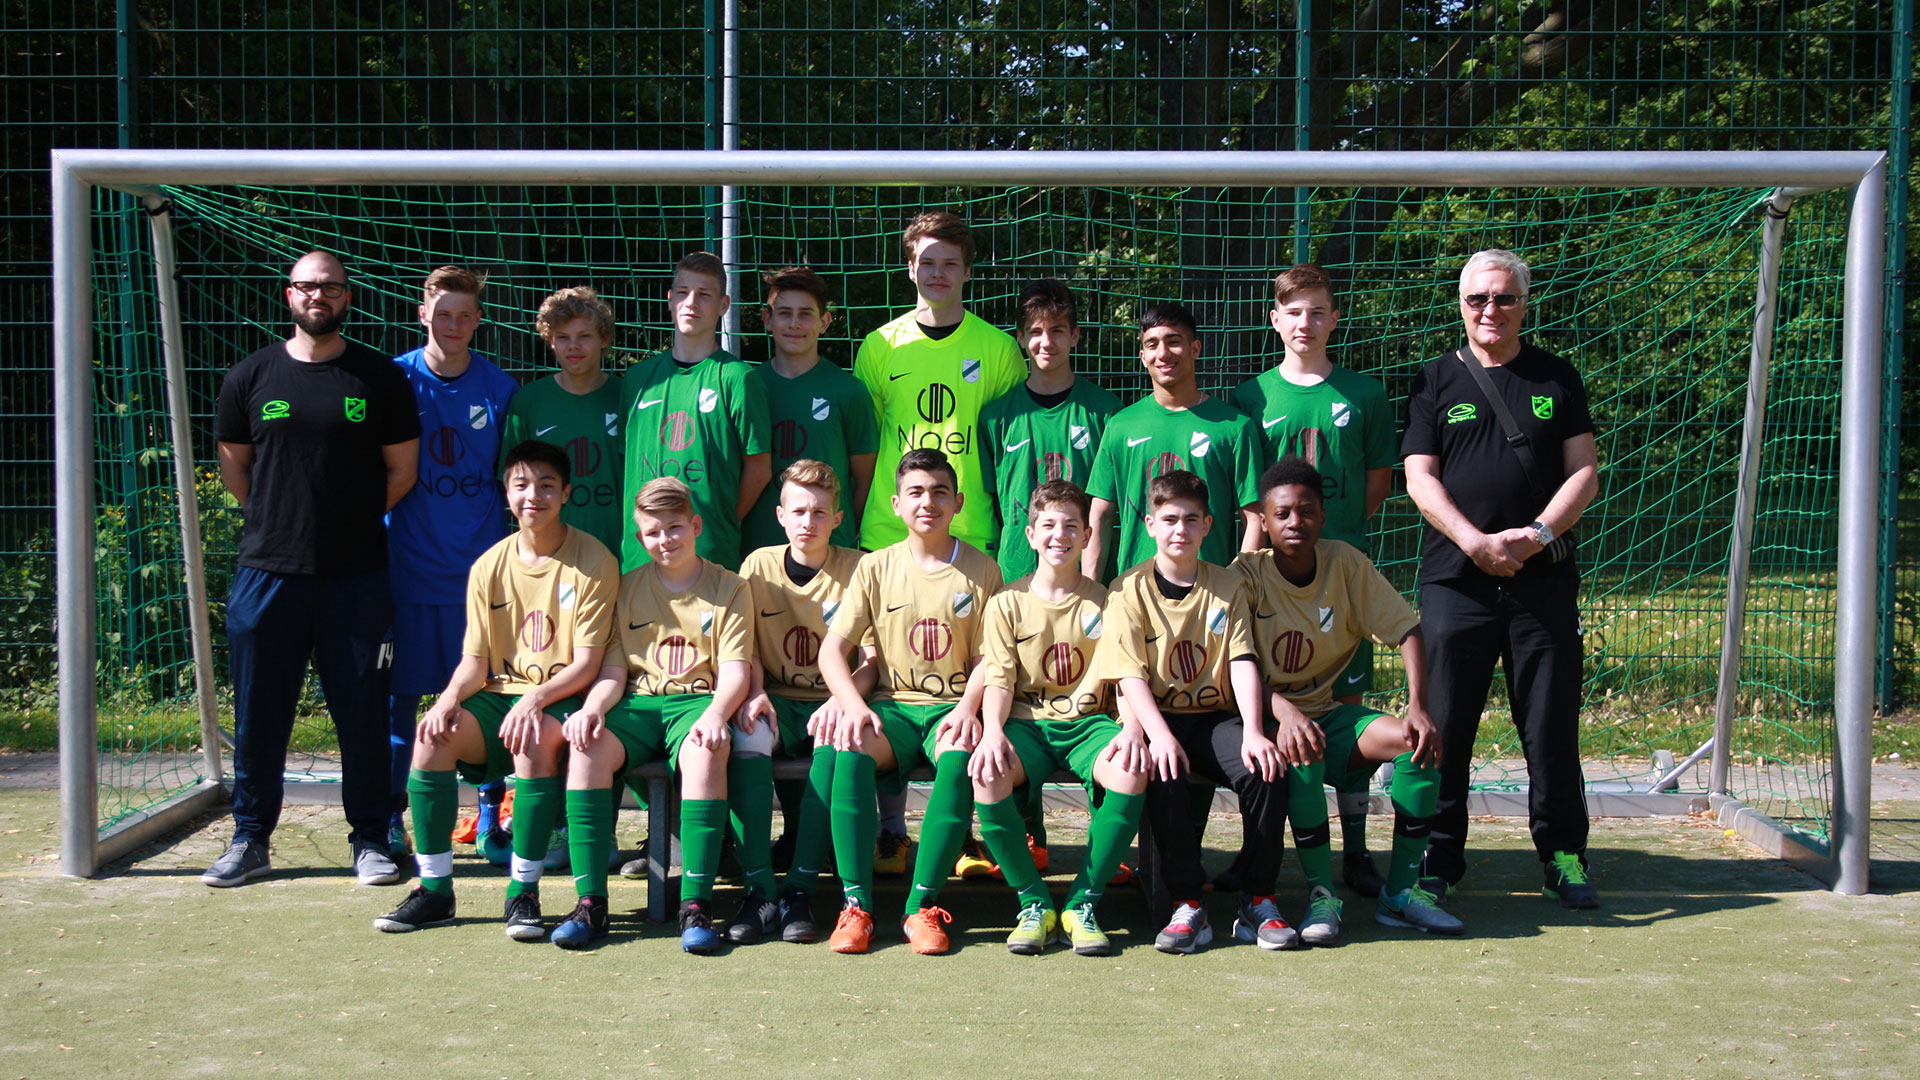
x=1515, y=437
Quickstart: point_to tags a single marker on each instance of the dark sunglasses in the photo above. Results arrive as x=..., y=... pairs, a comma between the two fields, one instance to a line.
x=1502, y=300
x=332, y=290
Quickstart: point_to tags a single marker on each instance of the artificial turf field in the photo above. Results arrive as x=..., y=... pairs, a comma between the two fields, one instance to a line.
x=1707, y=959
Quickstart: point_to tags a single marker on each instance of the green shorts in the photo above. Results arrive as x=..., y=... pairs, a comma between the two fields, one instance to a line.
x=652, y=726
x=791, y=716
x=1046, y=745
x=1358, y=677
x=910, y=730
x=489, y=709
x=1342, y=727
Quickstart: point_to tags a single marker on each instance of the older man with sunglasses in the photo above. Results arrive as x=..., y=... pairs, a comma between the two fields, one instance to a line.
x=1500, y=459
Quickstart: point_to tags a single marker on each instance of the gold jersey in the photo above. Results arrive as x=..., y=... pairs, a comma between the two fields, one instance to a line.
x=674, y=643
x=526, y=621
x=1307, y=634
x=790, y=620
x=926, y=624
x=1182, y=648
x=1042, y=653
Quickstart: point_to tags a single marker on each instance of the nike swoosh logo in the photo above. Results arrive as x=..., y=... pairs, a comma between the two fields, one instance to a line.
x=1138, y=441
x=651, y=404
x=895, y=608
x=1015, y=448
x=1151, y=638
x=1267, y=615
x=1356, y=678
x=1029, y=637
x=637, y=626
x=542, y=431
x=1269, y=423
x=501, y=604
x=771, y=614
x=902, y=375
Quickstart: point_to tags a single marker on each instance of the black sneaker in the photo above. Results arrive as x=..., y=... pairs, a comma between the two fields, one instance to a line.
x=1361, y=874
x=243, y=861
x=796, y=918
x=584, y=926
x=1567, y=881
x=696, y=928
x=757, y=919
x=523, y=917
x=636, y=867
x=421, y=909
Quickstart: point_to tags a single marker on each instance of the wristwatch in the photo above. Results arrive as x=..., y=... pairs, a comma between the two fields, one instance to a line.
x=1542, y=535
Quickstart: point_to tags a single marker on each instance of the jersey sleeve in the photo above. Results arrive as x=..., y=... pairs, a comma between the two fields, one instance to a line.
x=474, y=641
x=869, y=366
x=1247, y=453
x=1240, y=621
x=1376, y=414
x=1100, y=482
x=1422, y=435
x=1012, y=368
x=399, y=412
x=1002, y=664
x=858, y=424
x=993, y=431
x=749, y=413
x=1579, y=419
x=1388, y=617
x=231, y=423
x=854, y=620
x=593, y=611
x=513, y=431
x=1123, y=649
x=733, y=638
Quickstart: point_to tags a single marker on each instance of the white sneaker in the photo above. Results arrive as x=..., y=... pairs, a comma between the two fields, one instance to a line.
x=1322, y=924
x=1187, y=931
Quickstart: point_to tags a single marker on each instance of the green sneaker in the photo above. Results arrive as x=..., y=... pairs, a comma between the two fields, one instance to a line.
x=1415, y=909
x=1322, y=925
x=1083, y=932
x=1037, y=926
x=1567, y=881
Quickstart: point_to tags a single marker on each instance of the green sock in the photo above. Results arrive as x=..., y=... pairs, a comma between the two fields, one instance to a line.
x=537, y=803
x=703, y=822
x=813, y=838
x=1004, y=832
x=1416, y=796
x=1307, y=807
x=855, y=824
x=949, y=811
x=434, y=797
x=1115, y=823
x=588, y=837
x=750, y=798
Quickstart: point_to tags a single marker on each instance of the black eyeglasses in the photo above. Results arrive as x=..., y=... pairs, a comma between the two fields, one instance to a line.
x=1502, y=300
x=332, y=290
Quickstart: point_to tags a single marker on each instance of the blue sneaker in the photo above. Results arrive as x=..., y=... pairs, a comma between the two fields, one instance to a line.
x=696, y=928
x=586, y=925
x=496, y=845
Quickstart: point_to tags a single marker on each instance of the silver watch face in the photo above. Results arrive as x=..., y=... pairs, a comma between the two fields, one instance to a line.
x=1542, y=534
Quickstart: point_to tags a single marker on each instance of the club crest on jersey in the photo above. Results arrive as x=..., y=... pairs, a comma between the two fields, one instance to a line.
x=1543, y=407
x=1326, y=620
x=706, y=621
x=567, y=594
x=356, y=408
x=822, y=408
x=709, y=398
x=828, y=609
x=612, y=421
x=477, y=416
x=1200, y=444
x=1091, y=624
x=1342, y=414
x=962, y=604
x=1078, y=435
x=1217, y=621
x=970, y=369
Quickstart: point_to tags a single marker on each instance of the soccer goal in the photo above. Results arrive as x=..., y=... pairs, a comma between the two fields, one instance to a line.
x=1725, y=308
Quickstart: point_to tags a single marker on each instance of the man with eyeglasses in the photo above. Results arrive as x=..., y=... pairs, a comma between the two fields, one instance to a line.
x=318, y=438
x=1501, y=482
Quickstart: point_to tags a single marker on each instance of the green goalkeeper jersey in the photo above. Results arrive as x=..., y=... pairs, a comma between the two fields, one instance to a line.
x=929, y=392
x=587, y=426
x=824, y=414
x=1026, y=445
x=1342, y=426
x=1146, y=439
x=698, y=423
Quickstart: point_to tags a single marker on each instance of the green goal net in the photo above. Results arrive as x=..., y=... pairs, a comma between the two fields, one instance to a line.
x=1649, y=292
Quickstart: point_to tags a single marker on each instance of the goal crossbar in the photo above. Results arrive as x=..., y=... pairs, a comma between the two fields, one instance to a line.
x=75, y=173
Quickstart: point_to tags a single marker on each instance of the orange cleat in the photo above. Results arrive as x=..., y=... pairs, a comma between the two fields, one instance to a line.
x=923, y=930
x=1123, y=875
x=854, y=932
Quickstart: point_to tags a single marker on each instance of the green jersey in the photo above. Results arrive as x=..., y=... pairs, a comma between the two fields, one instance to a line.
x=929, y=392
x=1342, y=426
x=587, y=426
x=823, y=414
x=1027, y=445
x=700, y=424
x=1146, y=439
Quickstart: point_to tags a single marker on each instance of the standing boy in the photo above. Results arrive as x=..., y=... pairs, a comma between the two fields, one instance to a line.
x=922, y=599
x=694, y=412
x=539, y=606
x=1044, y=708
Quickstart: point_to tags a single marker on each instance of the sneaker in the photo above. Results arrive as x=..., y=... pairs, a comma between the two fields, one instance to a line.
x=1437, y=888
x=1357, y=868
x=890, y=854
x=496, y=846
x=1124, y=875
x=796, y=918
x=523, y=917
x=757, y=919
x=243, y=861
x=1188, y=930
x=1416, y=909
x=1083, y=932
x=586, y=924
x=696, y=928
x=854, y=930
x=923, y=932
x=1260, y=923
x=973, y=861
x=398, y=843
x=1036, y=928
x=559, y=855
x=1322, y=924
x=420, y=910
x=636, y=867
x=1567, y=881
x=372, y=865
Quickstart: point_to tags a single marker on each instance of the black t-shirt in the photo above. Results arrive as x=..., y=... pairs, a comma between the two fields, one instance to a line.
x=1449, y=418
x=318, y=499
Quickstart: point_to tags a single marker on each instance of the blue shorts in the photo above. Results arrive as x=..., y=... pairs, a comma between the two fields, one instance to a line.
x=426, y=647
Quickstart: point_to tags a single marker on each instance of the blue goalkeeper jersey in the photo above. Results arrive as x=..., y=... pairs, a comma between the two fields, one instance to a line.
x=457, y=509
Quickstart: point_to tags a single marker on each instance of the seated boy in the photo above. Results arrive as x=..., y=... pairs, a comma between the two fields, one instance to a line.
x=675, y=675
x=539, y=615
x=923, y=600
x=1314, y=602
x=797, y=588
x=1044, y=708
x=1179, y=643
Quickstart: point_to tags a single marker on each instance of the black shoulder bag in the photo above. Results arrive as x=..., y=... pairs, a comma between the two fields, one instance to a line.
x=1565, y=544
